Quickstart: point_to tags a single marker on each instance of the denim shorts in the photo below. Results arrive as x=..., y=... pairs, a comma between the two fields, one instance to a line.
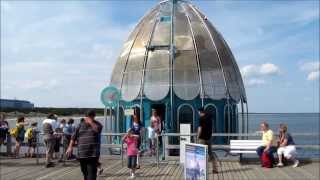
x=132, y=161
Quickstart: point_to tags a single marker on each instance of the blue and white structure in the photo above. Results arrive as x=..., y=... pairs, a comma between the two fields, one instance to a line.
x=176, y=61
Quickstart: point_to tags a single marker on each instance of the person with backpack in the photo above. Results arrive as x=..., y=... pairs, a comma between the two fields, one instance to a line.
x=266, y=151
x=31, y=136
x=4, y=127
x=18, y=133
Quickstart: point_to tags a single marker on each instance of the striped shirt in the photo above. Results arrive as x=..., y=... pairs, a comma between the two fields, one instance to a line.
x=88, y=140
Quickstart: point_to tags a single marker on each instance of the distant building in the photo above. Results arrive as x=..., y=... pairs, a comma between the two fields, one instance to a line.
x=16, y=104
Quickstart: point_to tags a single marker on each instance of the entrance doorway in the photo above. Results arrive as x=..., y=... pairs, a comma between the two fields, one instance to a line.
x=161, y=111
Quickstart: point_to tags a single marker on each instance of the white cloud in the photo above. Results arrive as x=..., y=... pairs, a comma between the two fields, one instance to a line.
x=312, y=68
x=256, y=74
x=255, y=82
x=314, y=75
x=254, y=70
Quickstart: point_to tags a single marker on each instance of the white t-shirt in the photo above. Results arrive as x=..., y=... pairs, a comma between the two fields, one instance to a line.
x=52, y=122
x=151, y=133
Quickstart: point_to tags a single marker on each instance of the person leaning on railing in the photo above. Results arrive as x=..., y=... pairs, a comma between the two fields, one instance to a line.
x=204, y=135
x=4, y=127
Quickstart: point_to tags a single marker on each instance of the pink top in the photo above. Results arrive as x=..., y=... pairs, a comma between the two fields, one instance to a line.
x=131, y=146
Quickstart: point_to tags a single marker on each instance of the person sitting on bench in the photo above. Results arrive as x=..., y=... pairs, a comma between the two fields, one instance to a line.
x=268, y=142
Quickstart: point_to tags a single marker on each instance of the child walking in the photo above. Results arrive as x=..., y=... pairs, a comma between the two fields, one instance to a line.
x=131, y=140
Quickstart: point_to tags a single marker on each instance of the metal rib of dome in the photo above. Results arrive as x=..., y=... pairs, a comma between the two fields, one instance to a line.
x=203, y=63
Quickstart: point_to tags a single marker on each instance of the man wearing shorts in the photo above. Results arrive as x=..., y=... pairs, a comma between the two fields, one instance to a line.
x=49, y=125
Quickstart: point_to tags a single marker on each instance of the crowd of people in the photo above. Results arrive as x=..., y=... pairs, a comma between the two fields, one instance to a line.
x=87, y=137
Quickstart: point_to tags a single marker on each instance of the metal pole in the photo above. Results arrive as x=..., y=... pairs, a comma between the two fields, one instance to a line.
x=197, y=57
x=118, y=120
x=229, y=120
x=164, y=140
x=63, y=149
x=9, y=144
x=247, y=118
x=145, y=64
x=242, y=118
x=37, y=148
x=122, y=153
x=172, y=54
x=157, y=139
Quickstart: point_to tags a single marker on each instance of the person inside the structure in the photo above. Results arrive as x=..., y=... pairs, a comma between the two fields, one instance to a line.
x=268, y=140
x=157, y=126
x=151, y=140
x=204, y=135
x=138, y=130
x=131, y=139
x=87, y=134
x=286, y=147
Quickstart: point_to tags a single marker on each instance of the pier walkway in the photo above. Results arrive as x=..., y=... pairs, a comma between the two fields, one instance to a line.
x=23, y=168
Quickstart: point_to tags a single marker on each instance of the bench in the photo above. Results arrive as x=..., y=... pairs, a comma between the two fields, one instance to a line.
x=244, y=147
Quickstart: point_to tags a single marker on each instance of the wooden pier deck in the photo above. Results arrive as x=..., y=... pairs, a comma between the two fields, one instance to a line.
x=24, y=168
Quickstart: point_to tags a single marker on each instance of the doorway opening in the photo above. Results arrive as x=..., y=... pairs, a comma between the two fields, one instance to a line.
x=161, y=111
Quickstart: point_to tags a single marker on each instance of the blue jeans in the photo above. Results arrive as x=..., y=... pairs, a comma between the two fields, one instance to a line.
x=270, y=152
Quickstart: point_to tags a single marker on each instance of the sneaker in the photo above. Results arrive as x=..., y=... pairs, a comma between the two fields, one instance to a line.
x=132, y=176
x=280, y=165
x=100, y=171
x=296, y=163
x=50, y=164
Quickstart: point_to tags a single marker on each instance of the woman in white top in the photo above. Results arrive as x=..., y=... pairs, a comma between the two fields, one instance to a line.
x=286, y=146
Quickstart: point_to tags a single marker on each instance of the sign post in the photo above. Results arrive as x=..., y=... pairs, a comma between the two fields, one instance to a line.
x=196, y=162
x=110, y=97
x=184, y=129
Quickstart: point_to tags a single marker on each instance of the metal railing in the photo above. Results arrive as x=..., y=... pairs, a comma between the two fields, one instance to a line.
x=168, y=146
x=115, y=142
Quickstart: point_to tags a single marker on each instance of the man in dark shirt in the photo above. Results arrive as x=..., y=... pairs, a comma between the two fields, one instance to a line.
x=87, y=135
x=204, y=135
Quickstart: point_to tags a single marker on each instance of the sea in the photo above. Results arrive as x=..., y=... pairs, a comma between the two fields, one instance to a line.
x=297, y=123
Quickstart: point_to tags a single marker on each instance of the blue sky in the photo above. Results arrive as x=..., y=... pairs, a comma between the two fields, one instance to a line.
x=61, y=53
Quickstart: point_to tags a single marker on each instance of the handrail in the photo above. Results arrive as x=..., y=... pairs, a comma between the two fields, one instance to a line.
x=166, y=145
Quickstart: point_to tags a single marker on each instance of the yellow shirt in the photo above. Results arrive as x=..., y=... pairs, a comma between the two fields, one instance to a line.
x=267, y=137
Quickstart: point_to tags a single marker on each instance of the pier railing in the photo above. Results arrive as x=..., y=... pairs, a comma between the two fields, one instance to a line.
x=113, y=142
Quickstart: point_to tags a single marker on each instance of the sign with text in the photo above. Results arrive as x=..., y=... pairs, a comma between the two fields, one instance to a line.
x=129, y=112
x=196, y=162
x=184, y=129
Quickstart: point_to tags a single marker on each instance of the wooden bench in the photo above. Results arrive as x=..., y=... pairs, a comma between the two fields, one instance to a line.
x=244, y=147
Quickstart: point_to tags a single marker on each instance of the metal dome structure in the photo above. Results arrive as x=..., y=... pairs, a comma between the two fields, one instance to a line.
x=174, y=57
